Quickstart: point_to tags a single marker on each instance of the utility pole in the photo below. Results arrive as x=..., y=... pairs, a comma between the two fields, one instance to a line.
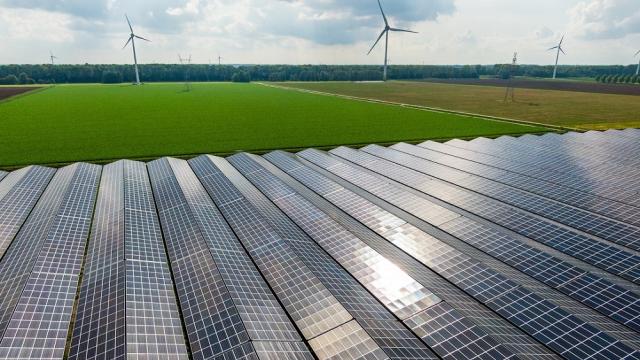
x=510, y=93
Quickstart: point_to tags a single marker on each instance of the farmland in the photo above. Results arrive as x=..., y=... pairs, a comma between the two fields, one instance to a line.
x=589, y=111
x=102, y=122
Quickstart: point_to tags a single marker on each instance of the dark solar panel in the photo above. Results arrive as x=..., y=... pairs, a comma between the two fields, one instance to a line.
x=481, y=282
x=394, y=338
x=598, y=253
x=39, y=325
x=399, y=292
x=224, y=300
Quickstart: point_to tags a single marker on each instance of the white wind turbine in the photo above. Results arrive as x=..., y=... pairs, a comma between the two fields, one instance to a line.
x=638, y=69
x=559, y=47
x=131, y=40
x=385, y=32
x=52, y=57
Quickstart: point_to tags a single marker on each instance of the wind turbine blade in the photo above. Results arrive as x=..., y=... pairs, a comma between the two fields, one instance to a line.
x=377, y=41
x=402, y=30
x=129, y=22
x=141, y=38
x=386, y=22
x=561, y=40
x=638, y=53
x=562, y=51
x=553, y=48
x=128, y=41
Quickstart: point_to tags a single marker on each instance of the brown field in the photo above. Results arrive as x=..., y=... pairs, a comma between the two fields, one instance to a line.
x=7, y=92
x=560, y=85
x=567, y=109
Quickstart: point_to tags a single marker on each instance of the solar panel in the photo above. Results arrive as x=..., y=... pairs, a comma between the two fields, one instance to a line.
x=492, y=324
x=39, y=325
x=312, y=307
x=393, y=337
x=605, y=228
x=18, y=202
x=571, y=178
x=392, y=286
x=16, y=265
x=509, y=173
x=224, y=301
x=531, y=261
x=483, y=283
x=598, y=253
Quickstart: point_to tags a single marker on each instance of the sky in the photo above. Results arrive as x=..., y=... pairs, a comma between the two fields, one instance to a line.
x=320, y=31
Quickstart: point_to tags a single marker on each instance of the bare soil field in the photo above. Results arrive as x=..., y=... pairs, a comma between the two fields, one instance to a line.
x=560, y=85
x=7, y=92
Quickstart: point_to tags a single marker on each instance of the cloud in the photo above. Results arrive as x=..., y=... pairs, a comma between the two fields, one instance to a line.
x=605, y=19
x=331, y=22
x=81, y=8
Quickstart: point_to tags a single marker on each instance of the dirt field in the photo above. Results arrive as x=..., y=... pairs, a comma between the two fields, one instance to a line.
x=561, y=85
x=7, y=92
x=570, y=109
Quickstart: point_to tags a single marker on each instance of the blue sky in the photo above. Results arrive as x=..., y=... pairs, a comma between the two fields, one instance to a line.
x=320, y=31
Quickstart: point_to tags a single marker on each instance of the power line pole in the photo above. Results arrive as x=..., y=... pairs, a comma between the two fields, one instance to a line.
x=510, y=93
x=187, y=78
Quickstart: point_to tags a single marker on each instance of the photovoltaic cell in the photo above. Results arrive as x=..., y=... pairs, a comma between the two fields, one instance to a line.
x=39, y=325
x=16, y=265
x=391, y=285
x=18, y=202
x=605, y=256
x=393, y=337
x=225, y=304
x=614, y=231
x=312, y=307
x=486, y=285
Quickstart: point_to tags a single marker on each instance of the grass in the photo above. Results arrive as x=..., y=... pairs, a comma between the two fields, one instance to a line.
x=586, y=111
x=101, y=122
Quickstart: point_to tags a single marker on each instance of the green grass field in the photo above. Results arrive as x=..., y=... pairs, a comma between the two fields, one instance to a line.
x=580, y=110
x=101, y=122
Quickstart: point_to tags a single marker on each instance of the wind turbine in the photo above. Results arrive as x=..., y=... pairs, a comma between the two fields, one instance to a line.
x=559, y=47
x=131, y=40
x=638, y=70
x=385, y=32
x=219, y=60
x=52, y=57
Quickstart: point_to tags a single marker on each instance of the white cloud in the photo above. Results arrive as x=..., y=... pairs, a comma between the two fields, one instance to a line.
x=310, y=31
x=605, y=19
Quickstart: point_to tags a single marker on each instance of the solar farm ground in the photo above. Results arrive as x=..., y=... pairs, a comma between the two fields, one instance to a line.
x=572, y=109
x=101, y=122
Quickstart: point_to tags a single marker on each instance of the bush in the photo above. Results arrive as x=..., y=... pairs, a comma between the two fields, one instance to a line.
x=241, y=77
x=9, y=80
x=111, y=77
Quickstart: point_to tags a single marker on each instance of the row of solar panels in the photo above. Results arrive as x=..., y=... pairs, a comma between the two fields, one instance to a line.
x=488, y=249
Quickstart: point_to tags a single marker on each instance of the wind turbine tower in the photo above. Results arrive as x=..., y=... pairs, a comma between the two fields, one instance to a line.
x=559, y=49
x=52, y=57
x=638, y=69
x=385, y=33
x=131, y=40
x=219, y=60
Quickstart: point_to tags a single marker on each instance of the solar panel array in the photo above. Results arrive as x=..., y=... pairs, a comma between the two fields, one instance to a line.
x=501, y=248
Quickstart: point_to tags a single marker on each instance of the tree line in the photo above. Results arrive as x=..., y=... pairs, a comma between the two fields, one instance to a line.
x=87, y=73
x=619, y=79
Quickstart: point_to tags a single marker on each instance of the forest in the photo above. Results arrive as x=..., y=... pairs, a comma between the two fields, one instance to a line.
x=101, y=73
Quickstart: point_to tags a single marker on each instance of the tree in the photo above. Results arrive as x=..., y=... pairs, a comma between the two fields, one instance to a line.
x=9, y=80
x=111, y=77
x=241, y=77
